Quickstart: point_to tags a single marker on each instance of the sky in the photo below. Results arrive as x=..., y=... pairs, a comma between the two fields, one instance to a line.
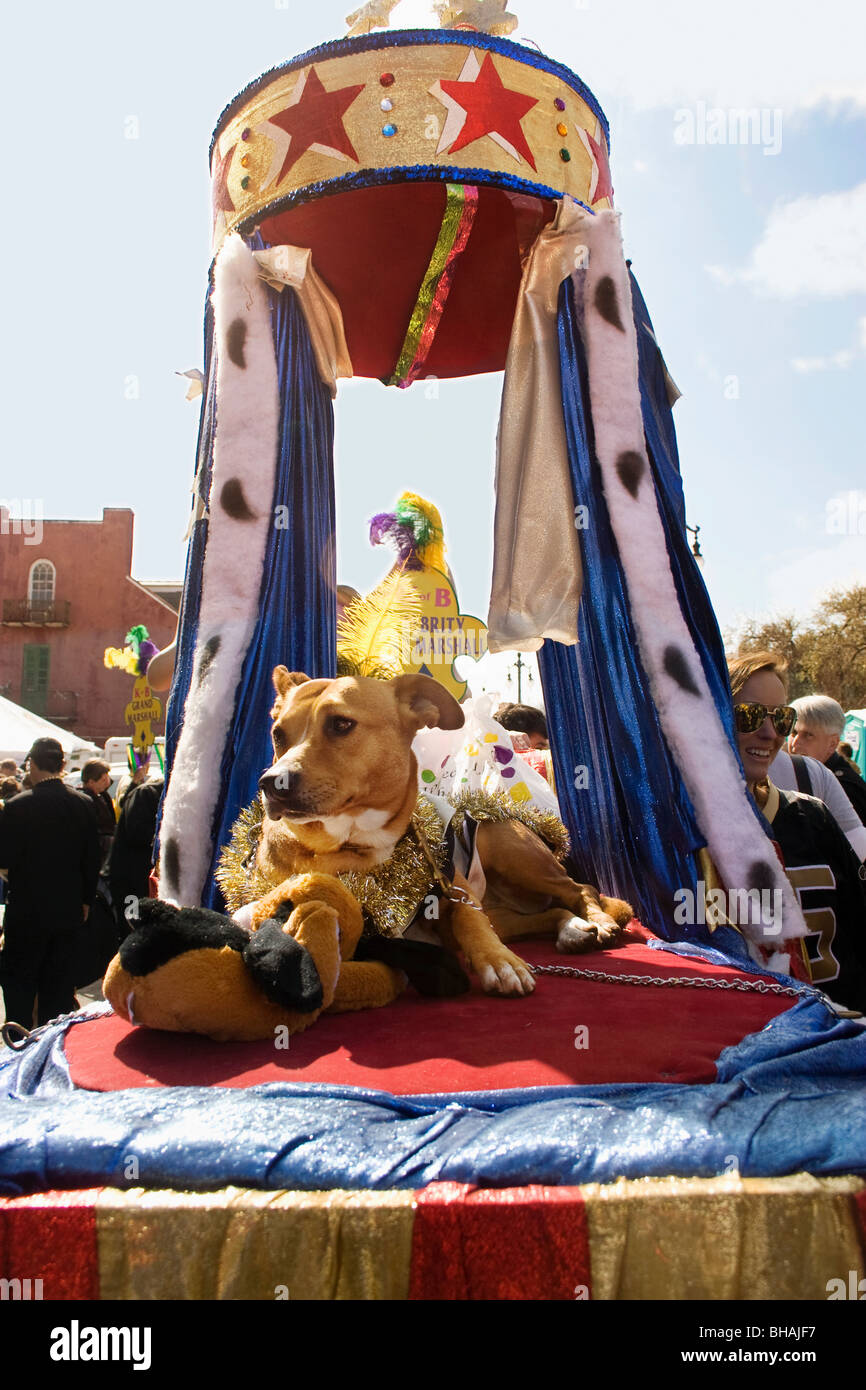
x=751, y=257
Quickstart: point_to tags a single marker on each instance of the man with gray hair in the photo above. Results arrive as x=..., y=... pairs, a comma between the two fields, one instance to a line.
x=820, y=721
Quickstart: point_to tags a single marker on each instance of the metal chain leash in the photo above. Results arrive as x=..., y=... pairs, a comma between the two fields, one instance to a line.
x=686, y=981
x=15, y=1036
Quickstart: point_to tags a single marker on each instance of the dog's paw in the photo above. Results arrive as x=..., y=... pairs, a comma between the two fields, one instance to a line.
x=506, y=975
x=576, y=936
x=609, y=933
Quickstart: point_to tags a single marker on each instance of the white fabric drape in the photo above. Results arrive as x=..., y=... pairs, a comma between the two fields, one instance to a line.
x=537, y=578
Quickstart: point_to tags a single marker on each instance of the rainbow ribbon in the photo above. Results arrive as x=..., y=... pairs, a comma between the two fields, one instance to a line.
x=461, y=204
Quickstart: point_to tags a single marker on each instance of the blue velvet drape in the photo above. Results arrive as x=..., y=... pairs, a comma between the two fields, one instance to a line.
x=632, y=823
x=297, y=606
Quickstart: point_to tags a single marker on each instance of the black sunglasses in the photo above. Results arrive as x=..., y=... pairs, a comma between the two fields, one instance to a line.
x=750, y=718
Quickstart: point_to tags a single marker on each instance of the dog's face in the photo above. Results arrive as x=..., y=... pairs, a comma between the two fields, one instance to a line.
x=343, y=747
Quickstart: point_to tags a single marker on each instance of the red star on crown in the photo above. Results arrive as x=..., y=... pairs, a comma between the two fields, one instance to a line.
x=315, y=121
x=488, y=107
x=600, y=184
x=222, y=199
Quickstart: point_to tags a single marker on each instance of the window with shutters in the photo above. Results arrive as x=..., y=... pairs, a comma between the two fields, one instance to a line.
x=34, y=677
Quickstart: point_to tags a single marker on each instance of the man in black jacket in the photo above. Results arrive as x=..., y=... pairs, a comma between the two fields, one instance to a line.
x=95, y=781
x=132, y=851
x=49, y=847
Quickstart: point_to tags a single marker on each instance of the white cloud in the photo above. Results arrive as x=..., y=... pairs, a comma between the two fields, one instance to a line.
x=812, y=248
x=835, y=361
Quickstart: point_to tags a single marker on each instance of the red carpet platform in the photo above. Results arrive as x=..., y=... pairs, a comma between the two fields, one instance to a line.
x=722, y=1238
x=569, y=1032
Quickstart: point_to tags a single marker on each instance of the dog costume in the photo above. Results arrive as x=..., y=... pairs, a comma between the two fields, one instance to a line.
x=190, y=970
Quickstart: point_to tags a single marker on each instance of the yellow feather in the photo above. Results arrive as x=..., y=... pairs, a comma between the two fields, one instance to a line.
x=121, y=659
x=375, y=634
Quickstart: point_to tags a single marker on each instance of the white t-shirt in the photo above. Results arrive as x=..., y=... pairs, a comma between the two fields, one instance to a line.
x=827, y=789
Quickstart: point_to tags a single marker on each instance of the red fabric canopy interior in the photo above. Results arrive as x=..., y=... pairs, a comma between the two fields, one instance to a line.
x=472, y=1043
x=372, y=248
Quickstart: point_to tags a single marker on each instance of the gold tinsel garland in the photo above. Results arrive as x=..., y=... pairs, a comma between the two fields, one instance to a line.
x=499, y=806
x=392, y=892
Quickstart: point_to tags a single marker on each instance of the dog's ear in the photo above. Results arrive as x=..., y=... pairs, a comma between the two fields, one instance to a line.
x=284, y=681
x=426, y=703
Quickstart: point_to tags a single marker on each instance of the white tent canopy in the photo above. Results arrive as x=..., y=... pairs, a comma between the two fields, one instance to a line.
x=19, y=728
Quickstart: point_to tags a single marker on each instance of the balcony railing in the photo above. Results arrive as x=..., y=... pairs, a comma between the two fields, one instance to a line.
x=61, y=708
x=24, y=612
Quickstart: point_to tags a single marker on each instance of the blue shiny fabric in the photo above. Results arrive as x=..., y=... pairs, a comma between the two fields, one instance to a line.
x=297, y=624
x=658, y=423
x=789, y=1098
x=632, y=825
x=297, y=606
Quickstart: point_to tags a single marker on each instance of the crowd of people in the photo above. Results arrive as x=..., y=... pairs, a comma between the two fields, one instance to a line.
x=74, y=861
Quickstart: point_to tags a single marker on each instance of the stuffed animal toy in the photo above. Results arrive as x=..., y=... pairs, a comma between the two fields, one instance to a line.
x=190, y=970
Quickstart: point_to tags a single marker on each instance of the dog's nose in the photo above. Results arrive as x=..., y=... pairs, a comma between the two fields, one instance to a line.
x=279, y=783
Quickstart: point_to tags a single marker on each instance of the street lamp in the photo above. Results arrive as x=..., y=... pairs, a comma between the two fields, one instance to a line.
x=520, y=667
x=696, y=545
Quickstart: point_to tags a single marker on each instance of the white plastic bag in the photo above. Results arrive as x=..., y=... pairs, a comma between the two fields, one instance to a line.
x=478, y=757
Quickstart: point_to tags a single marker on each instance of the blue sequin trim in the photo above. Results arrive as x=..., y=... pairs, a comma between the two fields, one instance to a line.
x=405, y=38
x=413, y=173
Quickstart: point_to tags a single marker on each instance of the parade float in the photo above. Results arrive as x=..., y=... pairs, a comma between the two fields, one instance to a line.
x=675, y=1117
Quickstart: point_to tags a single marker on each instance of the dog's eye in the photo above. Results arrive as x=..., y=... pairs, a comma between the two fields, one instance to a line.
x=339, y=725
x=281, y=743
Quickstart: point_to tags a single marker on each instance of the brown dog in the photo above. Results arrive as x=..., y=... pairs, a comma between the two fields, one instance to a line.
x=341, y=793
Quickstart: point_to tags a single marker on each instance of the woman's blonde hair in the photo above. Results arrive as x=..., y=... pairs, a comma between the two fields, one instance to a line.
x=744, y=665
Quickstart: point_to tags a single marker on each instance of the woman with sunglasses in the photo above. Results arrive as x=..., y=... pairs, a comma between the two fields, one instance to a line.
x=822, y=867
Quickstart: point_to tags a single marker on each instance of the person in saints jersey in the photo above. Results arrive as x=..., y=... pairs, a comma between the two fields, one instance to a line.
x=823, y=870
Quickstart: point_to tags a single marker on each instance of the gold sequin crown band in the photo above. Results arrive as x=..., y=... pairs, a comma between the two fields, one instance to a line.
x=404, y=106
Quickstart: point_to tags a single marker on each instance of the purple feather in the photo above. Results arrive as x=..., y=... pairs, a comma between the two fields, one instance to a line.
x=146, y=652
x=380, y=527
x=385, y=529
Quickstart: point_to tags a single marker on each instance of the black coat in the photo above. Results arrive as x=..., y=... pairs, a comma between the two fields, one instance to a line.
x=50, y=847
x=830, y=882
x=853, y=784
x=131, y=856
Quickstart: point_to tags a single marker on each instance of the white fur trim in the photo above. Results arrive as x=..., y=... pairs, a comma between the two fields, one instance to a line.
x=689, y=718
x=240, y=516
